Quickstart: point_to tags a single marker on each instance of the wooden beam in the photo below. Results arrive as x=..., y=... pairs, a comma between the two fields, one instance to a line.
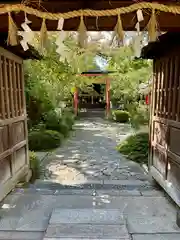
x=166, y=21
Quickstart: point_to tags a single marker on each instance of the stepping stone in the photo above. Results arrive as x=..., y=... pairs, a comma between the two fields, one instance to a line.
x=170, y=236
x=153, y=225
x=87, y=216
x=78, y=231
x=17, y=235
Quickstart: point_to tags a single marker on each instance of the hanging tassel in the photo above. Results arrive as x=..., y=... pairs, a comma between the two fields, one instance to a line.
x=12, y=32
x=137, y=45
x=152, y=27
x=82, y=36
x=119, y=28
x=43, y=35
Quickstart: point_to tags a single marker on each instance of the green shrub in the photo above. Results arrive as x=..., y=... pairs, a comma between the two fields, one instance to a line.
x=120, y=116
x=39, y=127
x=64, y=128
x=135, y=148
x=34, y=165
x=52, y=120
x=44, y=140
x=58, y=123
x=69, y=120
x=139, y=115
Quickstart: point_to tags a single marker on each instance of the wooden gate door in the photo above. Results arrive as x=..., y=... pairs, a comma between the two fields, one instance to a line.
x=164, y=158
x=13, y=132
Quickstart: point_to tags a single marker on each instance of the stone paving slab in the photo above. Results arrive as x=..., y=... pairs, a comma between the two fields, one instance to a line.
x=82, y=192
x=86, y=238
x=87, y=216
x=171, y=236
x=98, y=192
x=84, y=230
x=153, y=193
x=126, y=182
x=153, y=225
x=27, y=206
x=104, y=238
x=25, y=223
x=17, y=235
x=97, y=184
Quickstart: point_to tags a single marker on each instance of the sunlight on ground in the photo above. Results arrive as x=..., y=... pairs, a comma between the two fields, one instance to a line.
x=8, y=206
x=66, y=175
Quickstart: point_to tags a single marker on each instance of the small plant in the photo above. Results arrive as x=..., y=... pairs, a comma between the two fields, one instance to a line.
x=135, y=148
x=120, y=116
x=44, y=140
x=34, y=165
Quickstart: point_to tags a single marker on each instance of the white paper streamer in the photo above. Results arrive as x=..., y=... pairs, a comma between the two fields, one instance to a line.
x=27, y=34
x=137, y=26
x=25, y=27
x=137, y=46
x=60, y=24
x=140, y=17
x=24, y=45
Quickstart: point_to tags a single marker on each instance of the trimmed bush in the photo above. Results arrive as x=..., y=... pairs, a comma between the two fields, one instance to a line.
x=59, y=123
x=64, y=128
x=69, y=120
x=139, y=115
x=135, y=147
x=52, y=120
x=44, y=140
x=34, y=165
x=39, y=127
x=120, y=116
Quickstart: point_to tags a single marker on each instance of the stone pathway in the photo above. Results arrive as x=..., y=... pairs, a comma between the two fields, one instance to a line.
x=91, y=154
x=89, y=191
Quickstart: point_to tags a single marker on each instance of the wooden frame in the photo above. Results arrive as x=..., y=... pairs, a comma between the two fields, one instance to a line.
x=14, y=161
x=164, y=161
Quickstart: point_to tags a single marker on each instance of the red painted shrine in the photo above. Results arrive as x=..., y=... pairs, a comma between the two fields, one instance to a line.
x=96, y=96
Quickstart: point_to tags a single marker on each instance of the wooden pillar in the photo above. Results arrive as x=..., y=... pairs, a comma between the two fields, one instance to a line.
x=107, y=97
x=76, y=101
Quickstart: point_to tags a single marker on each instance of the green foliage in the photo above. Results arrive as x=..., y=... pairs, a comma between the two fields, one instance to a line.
x=44, y=140
x=120, y=116
x=34, y=165
x=54, y=121
x=64, y=128
x=38, y=127
x=135, y=148
x=69, y=119
x=50, y=80
x=129, y=73
x=56, y=76
x=139, y=114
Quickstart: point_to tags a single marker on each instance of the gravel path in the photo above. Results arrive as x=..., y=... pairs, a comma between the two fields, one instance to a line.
x=90, y=154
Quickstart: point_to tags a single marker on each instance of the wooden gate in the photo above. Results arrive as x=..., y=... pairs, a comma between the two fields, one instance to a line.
x=164, y=160
x=13, y=132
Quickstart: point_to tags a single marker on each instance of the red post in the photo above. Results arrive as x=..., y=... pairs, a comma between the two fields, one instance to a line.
x=76, y=101
x=107, y=97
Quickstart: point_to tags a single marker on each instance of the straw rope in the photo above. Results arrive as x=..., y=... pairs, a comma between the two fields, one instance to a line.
x=88, y=12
